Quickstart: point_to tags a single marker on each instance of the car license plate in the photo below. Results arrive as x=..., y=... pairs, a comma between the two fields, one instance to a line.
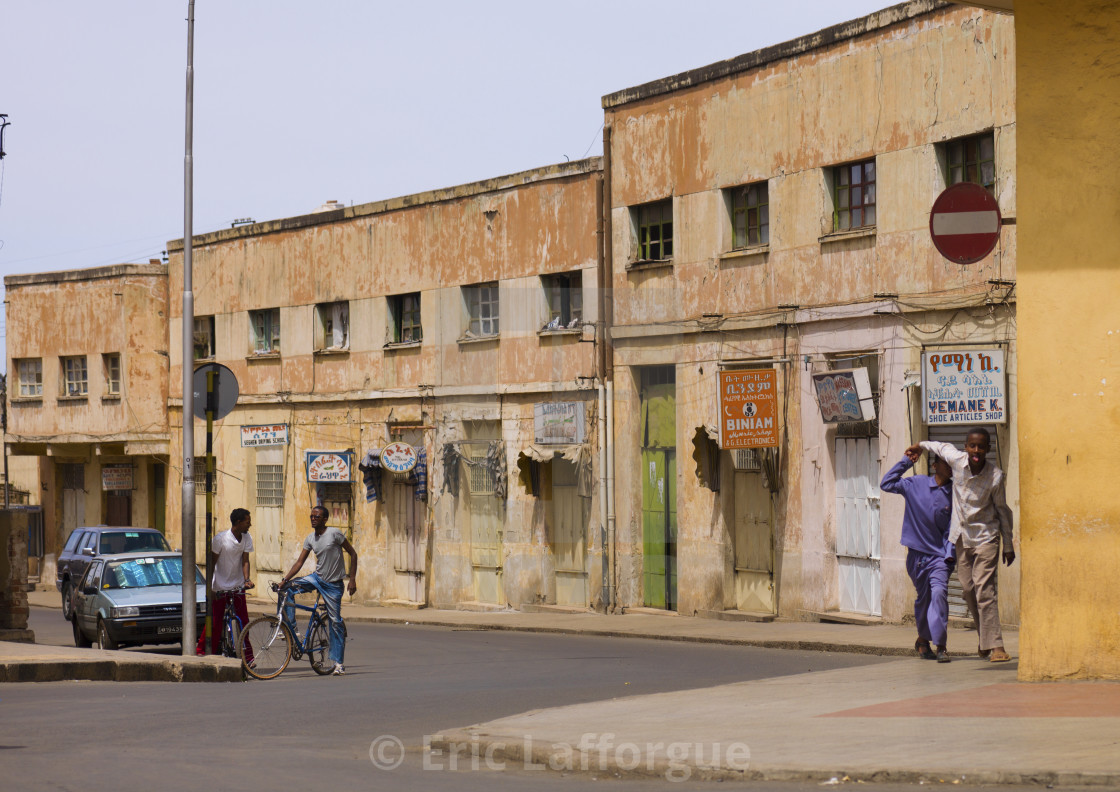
x=175, y=630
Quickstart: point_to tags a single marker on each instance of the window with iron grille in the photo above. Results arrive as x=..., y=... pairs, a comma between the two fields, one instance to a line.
x=481, y=480
x=270, y=485
x=203, y=338
x=264, y=329
x=853, y=196
x=75, y=378
x=30, y=373
x=654, y=225
x=112, y=366
x=750, y=215
x=73, y=476
x=404, y=313
x=482, y=307
x=333, y=324
x=200, y=476
x=565, y=299
x=972, y=159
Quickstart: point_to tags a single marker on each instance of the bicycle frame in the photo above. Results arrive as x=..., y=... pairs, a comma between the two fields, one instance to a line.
x=318, y=611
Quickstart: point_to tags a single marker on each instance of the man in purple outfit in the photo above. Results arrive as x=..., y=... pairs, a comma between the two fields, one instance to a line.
x=930, y=556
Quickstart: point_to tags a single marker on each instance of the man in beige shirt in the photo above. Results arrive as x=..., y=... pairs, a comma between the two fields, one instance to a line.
x=981, y=521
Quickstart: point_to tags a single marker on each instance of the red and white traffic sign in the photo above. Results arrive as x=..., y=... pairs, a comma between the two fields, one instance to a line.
x=965, y=223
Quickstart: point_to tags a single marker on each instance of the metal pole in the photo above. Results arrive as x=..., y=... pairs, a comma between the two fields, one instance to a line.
x=210, y=407
x=188, y=527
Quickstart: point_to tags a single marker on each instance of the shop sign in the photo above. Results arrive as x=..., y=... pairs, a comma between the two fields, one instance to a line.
x=265, y=435
x=844, y=395
x=559, y=423
x=964, y=387
x=328, y=466
x=398, y=457
x=116, y=477
x=748, y=408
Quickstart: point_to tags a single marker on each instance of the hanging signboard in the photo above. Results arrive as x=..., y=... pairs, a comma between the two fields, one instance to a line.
x=398, y=457
x=844, y=395
x=964, y=386
x=116, y=477
x=328, y=466
x=748, y=408
x=265, y=435
x=558, y=423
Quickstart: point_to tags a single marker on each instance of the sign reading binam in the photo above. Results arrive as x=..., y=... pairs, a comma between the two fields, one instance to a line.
x=964, y=386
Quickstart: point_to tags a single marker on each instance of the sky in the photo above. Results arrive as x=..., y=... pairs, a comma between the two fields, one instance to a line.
x=298, y=103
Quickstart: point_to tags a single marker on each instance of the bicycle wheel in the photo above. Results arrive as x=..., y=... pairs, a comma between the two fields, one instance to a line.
x=265, y=647
x=318, y=648
x=231, y=638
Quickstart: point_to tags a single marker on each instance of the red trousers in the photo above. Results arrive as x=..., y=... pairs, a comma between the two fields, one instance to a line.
x=217, y=612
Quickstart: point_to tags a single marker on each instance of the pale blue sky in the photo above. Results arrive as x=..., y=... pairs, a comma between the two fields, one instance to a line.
x=297, y=103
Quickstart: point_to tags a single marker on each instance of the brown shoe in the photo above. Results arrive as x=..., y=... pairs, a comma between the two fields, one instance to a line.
x=923, y=649
x=998, y=655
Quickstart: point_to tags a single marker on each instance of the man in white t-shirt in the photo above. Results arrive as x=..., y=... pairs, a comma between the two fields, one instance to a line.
x=230, y=550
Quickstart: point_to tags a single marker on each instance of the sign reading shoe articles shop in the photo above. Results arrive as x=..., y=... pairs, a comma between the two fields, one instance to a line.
x=398, y=457
x=748, y=408
x=558, y=422
x=964, y=386
x=265, y=435
x=329, y=466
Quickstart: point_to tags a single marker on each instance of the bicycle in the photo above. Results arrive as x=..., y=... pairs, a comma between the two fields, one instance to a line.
x=232, y=626
x=271, y=645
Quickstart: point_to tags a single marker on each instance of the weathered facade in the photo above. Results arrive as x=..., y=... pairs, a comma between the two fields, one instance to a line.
x=772, y=212
x=446, y=321
x=87, y=394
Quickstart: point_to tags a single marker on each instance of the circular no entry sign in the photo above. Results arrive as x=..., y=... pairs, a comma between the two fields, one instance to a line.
x=965, y=223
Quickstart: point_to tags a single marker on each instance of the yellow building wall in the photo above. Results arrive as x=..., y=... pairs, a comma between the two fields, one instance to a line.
x=1069, y=334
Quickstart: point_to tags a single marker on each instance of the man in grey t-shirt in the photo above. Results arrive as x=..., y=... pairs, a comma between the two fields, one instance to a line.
x=327, y=544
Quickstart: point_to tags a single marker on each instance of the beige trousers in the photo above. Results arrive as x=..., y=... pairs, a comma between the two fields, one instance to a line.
x=977, y=568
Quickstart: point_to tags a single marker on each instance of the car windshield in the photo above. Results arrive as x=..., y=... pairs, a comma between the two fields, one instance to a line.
x=141, y=572
x=131, y=542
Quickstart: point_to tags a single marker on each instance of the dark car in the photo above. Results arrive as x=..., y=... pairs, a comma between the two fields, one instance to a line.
x=85, y=544
x=134, y=598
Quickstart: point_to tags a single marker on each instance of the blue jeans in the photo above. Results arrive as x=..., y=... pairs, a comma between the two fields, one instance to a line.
x=332, y=597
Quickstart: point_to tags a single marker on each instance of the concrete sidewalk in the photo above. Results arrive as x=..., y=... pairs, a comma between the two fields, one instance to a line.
x=27, y=662
x=904, y=721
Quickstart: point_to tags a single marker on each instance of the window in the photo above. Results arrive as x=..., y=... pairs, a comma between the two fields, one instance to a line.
x=404, y=313
x=264, y=328
x=203, y=337
x=75, y=380
x=854, y=196
x=270, y=485
x=30, y=373
x=750, y=215
x=332, y=322
x=482, y=309
x=654, y=225
x=200, y=476
x=564, y=294
x=972, y=159
x=112, y=366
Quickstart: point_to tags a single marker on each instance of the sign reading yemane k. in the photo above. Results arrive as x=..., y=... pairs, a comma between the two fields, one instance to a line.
x=964, y=386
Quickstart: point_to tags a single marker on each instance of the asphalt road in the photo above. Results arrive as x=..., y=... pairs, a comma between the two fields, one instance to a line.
x=301, y=730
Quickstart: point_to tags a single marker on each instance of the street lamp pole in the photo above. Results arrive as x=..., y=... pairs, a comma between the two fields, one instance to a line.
x=188, y=526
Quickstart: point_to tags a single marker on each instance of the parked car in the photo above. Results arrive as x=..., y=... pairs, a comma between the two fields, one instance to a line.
x=133, y=598
x=85, y=544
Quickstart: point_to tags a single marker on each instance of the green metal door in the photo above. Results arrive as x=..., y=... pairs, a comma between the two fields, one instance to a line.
x=659, y=488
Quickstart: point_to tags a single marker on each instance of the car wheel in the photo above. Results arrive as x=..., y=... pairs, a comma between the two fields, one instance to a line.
x=67, y=602
x=104, y=641
x=80, y=639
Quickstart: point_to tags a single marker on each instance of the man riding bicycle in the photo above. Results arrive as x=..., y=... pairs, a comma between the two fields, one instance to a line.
x=230, y=550
x=328, y=544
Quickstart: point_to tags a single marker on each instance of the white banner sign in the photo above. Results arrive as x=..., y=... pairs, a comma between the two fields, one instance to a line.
x=266, y=435
x=558, y=422
x=964, y=386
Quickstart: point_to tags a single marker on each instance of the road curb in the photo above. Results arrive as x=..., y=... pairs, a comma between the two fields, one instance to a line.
x=471, y=745
x=120, y=670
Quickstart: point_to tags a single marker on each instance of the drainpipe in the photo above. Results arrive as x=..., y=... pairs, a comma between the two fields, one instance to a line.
x=606, y=318
x=611, y=535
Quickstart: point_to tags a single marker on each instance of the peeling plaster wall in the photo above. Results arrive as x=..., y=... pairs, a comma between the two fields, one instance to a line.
x=510, y=230
x=893, y=93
